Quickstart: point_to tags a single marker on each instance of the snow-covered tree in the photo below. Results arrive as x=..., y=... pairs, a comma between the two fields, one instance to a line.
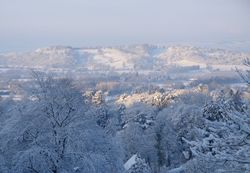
x=156, y=142
x=245, y=75
x=52, y=133
x=226, y=135
x=61, y=104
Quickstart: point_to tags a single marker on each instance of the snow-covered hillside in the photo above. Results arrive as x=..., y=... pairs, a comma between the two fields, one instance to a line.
x=136, y=57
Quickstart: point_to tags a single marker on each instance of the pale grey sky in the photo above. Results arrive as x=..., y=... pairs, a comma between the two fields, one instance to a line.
x=29, y=24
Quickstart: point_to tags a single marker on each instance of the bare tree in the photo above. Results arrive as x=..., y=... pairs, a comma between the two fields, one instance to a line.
x=63, y=137
x=61, y=104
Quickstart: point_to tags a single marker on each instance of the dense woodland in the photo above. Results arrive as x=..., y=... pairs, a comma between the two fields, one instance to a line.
x=58, y=127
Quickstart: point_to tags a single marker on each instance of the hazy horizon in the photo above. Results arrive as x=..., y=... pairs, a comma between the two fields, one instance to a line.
x=27, y=25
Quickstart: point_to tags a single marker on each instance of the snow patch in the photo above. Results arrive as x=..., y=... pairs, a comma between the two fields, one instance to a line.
x=130, y=162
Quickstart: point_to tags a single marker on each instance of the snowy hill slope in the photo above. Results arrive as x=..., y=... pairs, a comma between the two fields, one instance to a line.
x=139, y=57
